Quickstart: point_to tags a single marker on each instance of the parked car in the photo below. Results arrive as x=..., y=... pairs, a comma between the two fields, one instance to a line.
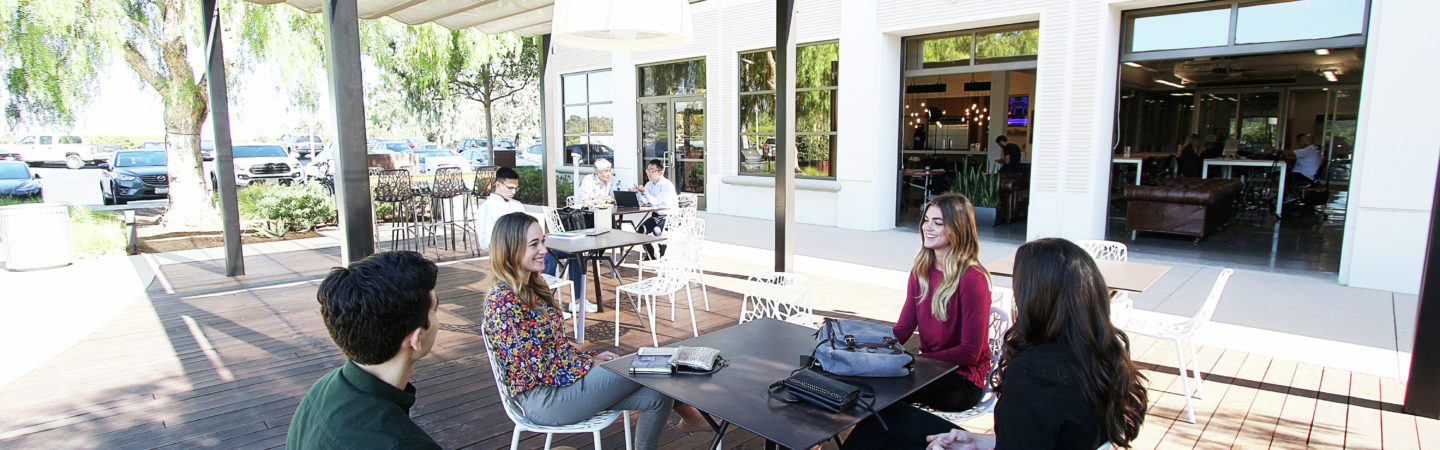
x=751, y=161
x=71, y=150
x=134, y=175
x=768, y=148
x=261, y=164
x=505, y=143
x=151, y=145
x=590, y=152
x=207, y=150
x=10, y=155
x=301, y=144
x=17, y=181
x=477, y=158
x=473, y=144
x=533, y=156
x=432, y=160
x=393, y=146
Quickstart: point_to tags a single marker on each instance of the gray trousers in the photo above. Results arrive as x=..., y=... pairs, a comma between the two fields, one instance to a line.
x=597, y=391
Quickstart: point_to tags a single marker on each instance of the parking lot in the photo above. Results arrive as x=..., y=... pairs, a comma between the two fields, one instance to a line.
x=81, y=187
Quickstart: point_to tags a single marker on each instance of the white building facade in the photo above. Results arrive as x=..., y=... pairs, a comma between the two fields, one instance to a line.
x=1070, y=128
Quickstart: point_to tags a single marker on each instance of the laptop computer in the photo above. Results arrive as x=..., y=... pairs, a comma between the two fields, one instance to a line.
x=627, y=199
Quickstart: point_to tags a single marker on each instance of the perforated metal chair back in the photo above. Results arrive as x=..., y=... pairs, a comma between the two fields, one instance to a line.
x=449, y=183
x=1105, y=250
x=484, y=181
x=778, y=295
x=393, y=186
x=552, y=221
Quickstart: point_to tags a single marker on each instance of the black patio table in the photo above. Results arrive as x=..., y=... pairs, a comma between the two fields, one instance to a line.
x=590, y=248
x=762, y=352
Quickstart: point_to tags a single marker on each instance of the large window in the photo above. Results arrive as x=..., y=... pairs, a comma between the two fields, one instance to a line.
x=816, y=84
x=589, y=117
x=972, y=47
x=1239, y=27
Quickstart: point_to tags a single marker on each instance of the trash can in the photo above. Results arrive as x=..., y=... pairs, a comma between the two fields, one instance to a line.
x=36, y=236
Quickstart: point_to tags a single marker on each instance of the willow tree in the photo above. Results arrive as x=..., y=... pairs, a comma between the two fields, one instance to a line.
x=432, y=66
x=52, y=51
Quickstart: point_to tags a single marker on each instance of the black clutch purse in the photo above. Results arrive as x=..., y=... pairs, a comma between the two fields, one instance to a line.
x=817, y=389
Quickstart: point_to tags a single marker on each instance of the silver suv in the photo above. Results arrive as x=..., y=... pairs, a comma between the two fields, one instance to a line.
x=301, y=144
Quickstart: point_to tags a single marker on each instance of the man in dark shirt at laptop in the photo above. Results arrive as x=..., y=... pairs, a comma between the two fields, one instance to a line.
x=381, y=313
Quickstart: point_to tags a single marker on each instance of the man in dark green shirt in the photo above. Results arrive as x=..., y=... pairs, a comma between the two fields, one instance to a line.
x=381, y=313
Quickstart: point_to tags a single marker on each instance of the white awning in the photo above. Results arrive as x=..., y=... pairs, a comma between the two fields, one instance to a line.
x=523, y=17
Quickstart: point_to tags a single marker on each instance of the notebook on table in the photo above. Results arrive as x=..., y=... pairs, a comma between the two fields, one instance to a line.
x=668, y=360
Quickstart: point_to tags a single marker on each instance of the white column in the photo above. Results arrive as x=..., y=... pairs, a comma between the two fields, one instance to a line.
x=627, y=127
x=1074, y=113
x=1393, y=174
x=869, y=99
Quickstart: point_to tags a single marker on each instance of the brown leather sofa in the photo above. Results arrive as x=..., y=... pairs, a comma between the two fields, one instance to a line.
x=1185, y=205
x=1014, y=197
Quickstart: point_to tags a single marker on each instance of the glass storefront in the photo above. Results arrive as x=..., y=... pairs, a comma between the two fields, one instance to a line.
x=672, y=117
x=816, y=90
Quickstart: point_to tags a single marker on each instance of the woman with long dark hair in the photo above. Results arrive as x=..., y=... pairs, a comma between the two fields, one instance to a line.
x=1066, y=379
x=948, y=301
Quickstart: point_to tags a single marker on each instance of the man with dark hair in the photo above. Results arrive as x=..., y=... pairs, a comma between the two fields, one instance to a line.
x=381, y=312
x=659, y=192
x=1010, y=156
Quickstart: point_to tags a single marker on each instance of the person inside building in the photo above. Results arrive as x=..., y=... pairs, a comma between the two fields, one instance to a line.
x=1189, y=157
x=381, y=312
x=555, y=382
x=501, y=202
x=1307, y=165
x=658, y=192
x=599, y=187
x=948, y=301
x=1010, y=156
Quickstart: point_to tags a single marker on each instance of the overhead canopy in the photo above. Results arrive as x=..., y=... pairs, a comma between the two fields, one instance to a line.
x=523, y=17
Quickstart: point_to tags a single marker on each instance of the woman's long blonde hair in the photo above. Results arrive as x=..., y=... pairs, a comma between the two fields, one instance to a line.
x=958, y=218
x=507, y=247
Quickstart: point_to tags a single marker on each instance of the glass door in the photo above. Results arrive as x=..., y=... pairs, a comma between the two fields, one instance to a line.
x=672, y=129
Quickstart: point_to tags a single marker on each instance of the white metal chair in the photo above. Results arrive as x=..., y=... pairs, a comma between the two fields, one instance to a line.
x=778, y=295
x=593, y=425
x=686, y=230
x=672, y=276
x=554, y=283
x=1185, y=331
x=1120, y=302
x=687, y=205
x=999, y=324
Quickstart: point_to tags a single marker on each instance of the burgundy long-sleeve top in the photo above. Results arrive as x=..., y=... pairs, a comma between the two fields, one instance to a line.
x=962, y=340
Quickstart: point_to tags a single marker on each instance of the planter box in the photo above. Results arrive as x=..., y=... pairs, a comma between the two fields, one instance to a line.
x=985, y=217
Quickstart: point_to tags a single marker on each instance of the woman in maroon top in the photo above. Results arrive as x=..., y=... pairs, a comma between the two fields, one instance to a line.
x=948, y=301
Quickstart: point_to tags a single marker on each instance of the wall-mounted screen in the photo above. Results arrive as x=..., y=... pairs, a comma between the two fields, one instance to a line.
x=1018, y=114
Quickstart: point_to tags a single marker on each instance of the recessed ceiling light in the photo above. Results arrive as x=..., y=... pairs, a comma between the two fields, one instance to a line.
x=1322, y=51
x=1171, y=84
x=1330, y=75
x=1133, y=64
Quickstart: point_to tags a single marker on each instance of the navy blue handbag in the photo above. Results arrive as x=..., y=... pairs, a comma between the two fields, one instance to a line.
x=856, y=348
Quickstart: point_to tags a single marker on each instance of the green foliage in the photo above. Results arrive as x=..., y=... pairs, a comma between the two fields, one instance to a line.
x=51, y=54
x=983, y=189
x=125, y=142
x=532, y=186
x=7, y=200
x=286, y=208
x=95, y=233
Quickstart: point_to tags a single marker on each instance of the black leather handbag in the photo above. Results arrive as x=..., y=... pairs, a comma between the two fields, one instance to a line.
x=576, y=219
x=817, y=389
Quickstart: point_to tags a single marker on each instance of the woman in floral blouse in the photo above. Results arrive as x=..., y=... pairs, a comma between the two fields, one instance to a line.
x=552, y=379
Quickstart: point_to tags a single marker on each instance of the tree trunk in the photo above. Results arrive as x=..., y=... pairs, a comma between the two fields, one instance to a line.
x=190, y=204
x=489, y=124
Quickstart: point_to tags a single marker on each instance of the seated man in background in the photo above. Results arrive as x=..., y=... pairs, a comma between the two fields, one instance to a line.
x=381, y=312
x=1010, y=156
x=501, y=202
x=1307, y=164
x=598, y=187
x=658, y=192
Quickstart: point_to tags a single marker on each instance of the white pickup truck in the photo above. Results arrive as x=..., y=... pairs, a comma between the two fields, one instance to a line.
x=71, y=150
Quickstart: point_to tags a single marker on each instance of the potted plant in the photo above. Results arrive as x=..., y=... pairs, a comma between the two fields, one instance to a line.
x=983, y=190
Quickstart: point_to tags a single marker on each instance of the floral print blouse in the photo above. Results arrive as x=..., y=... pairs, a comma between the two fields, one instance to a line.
x=530, y=346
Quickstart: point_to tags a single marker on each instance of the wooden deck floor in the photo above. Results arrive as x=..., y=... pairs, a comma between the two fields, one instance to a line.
x=205, y=360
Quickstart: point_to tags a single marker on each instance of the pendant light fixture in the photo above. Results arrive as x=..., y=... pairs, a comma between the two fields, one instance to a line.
x=622, y=25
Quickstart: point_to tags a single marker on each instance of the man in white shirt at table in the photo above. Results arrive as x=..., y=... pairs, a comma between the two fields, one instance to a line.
x=1307, y=163
x=501, y=202
x=598, y=187
x=658, y=192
